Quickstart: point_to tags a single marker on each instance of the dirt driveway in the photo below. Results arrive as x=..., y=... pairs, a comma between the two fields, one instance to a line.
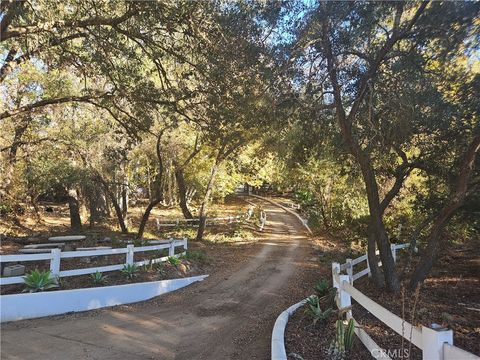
x=228, y=316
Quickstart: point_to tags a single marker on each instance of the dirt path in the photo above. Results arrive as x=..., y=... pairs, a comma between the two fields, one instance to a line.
x=228, y=316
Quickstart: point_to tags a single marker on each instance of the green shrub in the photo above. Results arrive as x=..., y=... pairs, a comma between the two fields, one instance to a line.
x=98, y=278
x=198, y=256
x=130, y=271
x=173, y=260
x=322, y=287
x=38, y=280
x=315, y=311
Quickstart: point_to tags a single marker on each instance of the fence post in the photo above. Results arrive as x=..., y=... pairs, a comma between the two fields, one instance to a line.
x=171, y=248
x=129, y=260
x=185, y=244
x=433, y=340
x=335, y=269
x=394, y=252
x=158, y=224
x=343, y=298
x=350, y=271
x=55, y=263
x=368, y=266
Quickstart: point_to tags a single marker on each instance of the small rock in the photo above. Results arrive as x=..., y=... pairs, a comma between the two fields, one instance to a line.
x=182, y=268
x=14, y=270
x=104, y=240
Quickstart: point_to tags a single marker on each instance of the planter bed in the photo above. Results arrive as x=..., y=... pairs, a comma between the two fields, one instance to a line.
x=34, y=305
x=162, y=271
x=308, y=342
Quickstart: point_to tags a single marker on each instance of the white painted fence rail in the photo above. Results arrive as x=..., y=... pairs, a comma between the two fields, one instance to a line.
x=56, y=255
x=435, y=343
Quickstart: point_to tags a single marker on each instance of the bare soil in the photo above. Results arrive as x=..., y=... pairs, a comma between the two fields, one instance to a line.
x=449, y=297
x=57, y=222
x=312, y=342
x=229, y=315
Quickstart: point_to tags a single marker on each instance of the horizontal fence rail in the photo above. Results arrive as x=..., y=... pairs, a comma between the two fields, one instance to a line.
x=56, y=255
x=435, y=343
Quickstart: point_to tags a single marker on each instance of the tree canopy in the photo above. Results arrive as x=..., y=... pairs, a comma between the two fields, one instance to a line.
x=368, y=112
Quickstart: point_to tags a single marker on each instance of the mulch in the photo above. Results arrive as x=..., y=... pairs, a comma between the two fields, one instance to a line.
x=449, y=298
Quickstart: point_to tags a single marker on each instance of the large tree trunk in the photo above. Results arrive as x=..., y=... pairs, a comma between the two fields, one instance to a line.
x=116, y=205
x=118, y=212
x=377, y=230
x=345, y=123
x=7, y=175
x=124, y=196
x=375, y=272
x=202, y=216
x=434, y=242
x=182, y=192
x=74, y=208
x=146, y=215
x=158, y=197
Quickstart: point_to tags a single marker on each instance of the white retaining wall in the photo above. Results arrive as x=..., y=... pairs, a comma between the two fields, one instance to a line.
x=34, y=305
x=278, y=333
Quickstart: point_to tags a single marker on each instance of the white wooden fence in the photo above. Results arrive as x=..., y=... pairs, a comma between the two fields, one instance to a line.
x=436, y=344
x=56, y=255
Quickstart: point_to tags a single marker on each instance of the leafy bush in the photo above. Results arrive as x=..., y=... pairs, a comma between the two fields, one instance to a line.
x=38, y=280
x=199, y=256
x=315, y=311
x=173, y=260
x=343, y=343
x=98, y=278
x=322, y=287
x=130, y=271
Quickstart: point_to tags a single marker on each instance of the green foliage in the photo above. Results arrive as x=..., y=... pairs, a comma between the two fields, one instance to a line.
x=37, y=280
x=344, y=336
x=197, y=256
x=130, y=271
x=315, y=312
x=98, y=278
x=173, y=260
x=322, y=287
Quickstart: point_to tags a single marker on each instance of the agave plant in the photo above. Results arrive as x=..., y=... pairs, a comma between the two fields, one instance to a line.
x=130, y=271
x=322, y=287
x=315, y=311
x=38, y=280
x=98, y=278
